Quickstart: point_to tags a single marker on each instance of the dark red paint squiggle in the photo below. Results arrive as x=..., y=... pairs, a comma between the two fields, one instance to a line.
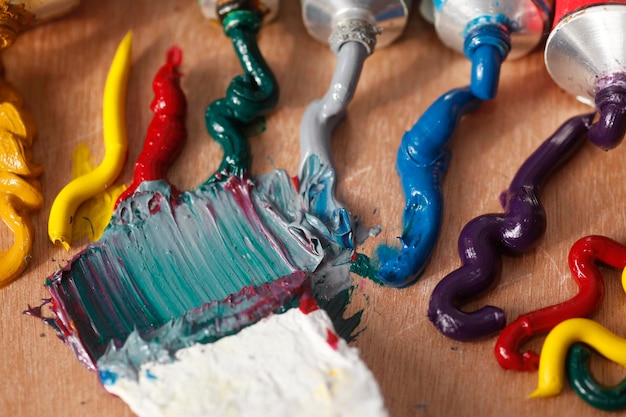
x=583, y=256
x=167, y=132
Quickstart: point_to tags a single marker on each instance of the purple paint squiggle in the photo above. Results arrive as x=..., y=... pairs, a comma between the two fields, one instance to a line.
x=484, y=239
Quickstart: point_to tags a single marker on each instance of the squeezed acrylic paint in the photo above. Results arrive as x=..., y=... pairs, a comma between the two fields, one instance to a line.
x=177, y=274
x=484, y=239
x=422, y=162
x=205, y=324
x=160, y=258
x=248, y=98
x=553, y=353
x=487, y=44
x=584, y=255
x=610, y=128
x=582, y=381
x=93, y=216
x=20, y=192
x=319, y=121
x=81, y=189
x=167, y=132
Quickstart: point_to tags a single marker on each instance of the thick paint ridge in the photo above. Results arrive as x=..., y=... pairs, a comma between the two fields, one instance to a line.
x=205, y=324
x=163, y=255
x=486, y=238
x=422, y=162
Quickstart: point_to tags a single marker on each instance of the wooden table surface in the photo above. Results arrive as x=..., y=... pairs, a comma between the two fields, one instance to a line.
x=60, y=69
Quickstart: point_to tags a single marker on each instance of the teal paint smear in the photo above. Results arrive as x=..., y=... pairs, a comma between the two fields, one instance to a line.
x=204, y=324
x=162, y=256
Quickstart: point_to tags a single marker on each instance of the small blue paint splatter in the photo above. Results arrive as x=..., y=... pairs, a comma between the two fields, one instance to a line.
x=107, y=377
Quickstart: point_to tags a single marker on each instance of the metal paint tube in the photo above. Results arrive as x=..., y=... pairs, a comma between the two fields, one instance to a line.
x=586, y=56
x=488, y=32
x=427, y=11
x=322, y=17
x=269, y=7
x=18, y=15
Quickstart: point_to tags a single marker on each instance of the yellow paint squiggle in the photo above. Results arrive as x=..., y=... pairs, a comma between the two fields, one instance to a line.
x=558, y=342
x=81, y=189
x=20, y=192
x=93, y=216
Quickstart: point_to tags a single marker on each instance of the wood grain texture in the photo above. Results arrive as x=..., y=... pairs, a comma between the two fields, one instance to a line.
x=60, y=69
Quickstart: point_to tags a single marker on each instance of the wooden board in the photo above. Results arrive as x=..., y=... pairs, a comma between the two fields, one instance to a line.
x=60, y=69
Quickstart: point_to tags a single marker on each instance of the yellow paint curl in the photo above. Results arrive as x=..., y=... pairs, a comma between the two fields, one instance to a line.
x=20, y=192
x=94, y=215
x=559, y=340
x=97, y=181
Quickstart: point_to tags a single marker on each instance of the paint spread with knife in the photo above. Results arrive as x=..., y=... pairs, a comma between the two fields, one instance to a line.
x=177, y=277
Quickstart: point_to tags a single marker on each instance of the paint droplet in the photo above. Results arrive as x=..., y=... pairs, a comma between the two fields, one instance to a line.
x=308, y=304
x=332, y=339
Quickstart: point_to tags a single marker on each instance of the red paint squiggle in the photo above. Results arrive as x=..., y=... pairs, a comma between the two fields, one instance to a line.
x=583, y=256
x=167, y=132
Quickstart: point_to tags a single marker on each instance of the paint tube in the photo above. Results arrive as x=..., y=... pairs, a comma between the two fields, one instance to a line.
x=586, y=56
x=488, y=32
x=18, y=15
x=269, y=8
x=322, y=17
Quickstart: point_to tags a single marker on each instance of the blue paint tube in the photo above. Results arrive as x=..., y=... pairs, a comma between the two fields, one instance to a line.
x=488, y=32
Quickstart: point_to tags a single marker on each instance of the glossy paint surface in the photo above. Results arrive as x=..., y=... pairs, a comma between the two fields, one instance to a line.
x=83, y=188
x=166, y=253
x=486, y=238
x=167, y=132
x=584, y=258
x=551, y=373
x=422, y=161
x=20, y=192
x=587, y=387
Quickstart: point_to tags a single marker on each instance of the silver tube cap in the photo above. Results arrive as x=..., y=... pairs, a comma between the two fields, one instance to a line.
x=321, y=17
x=586, y=49
x=529, y=19
x=209, y=9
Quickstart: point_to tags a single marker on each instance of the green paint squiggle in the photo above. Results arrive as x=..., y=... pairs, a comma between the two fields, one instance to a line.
x=248, y=98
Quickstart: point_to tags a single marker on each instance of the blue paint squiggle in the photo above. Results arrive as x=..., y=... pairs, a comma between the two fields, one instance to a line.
x=422, y=162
